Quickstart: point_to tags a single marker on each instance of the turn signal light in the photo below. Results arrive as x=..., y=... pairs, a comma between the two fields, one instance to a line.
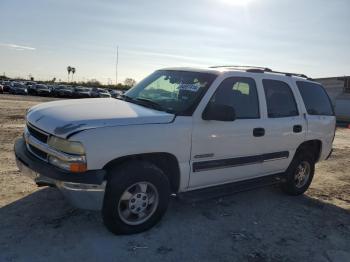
x=78, y=167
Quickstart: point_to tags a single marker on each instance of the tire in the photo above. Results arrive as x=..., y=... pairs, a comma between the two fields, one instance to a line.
x=126, y=184
x=293, y=185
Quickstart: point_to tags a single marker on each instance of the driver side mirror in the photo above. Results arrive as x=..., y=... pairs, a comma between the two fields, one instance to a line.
x=219, y=113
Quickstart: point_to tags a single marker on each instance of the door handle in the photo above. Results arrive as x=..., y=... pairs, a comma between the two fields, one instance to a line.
x=259, y=131
x=297, y=128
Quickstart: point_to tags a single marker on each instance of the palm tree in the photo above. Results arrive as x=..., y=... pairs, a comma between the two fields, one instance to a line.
x=73, y=72
x=69, y=69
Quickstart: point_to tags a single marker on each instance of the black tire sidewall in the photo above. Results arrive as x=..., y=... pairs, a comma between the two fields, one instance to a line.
x=123, y=177
x=289, y=185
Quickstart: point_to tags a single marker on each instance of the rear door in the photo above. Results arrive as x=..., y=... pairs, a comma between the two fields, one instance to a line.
x=319, y=113
x=285, y=124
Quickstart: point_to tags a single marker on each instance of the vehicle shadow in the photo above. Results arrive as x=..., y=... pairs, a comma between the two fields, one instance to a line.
x=257, y=225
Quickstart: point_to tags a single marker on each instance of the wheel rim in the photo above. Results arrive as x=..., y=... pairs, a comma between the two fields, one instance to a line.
x=302, y=174
x=138, y=203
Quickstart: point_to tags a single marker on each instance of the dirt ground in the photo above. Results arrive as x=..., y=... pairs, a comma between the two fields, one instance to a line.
x=36, y=224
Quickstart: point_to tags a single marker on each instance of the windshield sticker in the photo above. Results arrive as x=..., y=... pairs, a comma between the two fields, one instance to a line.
x=189, y=87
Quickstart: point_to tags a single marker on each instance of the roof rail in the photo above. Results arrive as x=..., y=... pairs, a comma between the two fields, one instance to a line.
x=290, y=74
x=242, y=67
x=258, y=69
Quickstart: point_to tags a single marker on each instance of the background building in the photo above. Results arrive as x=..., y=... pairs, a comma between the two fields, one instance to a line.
x=338, y=89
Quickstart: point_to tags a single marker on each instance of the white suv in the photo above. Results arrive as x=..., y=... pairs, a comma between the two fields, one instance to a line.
x=178, y=130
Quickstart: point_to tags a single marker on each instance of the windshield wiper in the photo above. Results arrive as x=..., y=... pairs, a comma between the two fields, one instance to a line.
x=153, y=104
x=145, y=102
x=124, y=97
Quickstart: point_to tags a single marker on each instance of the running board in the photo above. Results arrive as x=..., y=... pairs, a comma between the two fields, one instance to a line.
x=229, y=189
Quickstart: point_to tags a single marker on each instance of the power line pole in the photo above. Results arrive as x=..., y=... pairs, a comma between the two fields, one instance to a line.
x=116, y=67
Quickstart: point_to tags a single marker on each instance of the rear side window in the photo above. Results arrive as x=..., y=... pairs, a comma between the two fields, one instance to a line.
x=315, y=99
x=279, y=99
x=241, y=94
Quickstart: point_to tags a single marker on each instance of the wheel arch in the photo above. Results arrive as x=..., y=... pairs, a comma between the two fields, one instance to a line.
x=311, y=146
x=165, y=161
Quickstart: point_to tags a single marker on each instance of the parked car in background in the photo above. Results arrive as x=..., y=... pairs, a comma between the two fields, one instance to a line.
x=63, y=91
x=82, y=92
x=55, y=89
x=99, y=92
x=32, y=89
x=6, y=86
x=51, y=87
x=115, y=93
x=1, y=89
x=29, y=83
x=18, y=89
x=42, y=90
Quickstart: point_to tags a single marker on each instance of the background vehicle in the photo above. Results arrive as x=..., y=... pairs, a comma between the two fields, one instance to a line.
x=18, y=89
x=42, y=90
x=99, y=92
x=6, y=86
x=29, y=83
x=1, y=89
x=32, y=89
x=180, y=130
x=82, y=92
x=63, y=91
x=115, y=93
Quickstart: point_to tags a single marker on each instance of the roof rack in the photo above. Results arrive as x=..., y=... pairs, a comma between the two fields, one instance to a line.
x=242, y=67
x=258, y=69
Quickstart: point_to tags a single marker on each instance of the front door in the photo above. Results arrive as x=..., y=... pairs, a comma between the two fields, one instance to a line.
x=229, y=151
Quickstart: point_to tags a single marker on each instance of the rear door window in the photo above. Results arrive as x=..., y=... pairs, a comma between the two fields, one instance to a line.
x=315, y=98
x=279, y=99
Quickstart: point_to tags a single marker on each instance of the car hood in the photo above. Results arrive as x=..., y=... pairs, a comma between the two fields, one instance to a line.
x=62, y=118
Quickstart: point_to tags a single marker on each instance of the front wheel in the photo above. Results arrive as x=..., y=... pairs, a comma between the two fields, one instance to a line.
x=136, y=197
x=299, y=174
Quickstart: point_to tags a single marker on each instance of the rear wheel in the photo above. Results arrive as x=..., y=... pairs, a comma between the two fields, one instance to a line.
x=136, y=197
x=299, y=174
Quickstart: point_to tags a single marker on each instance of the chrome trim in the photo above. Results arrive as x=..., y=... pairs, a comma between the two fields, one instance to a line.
x=274, y=159
x=204, y=155
x=50, y=151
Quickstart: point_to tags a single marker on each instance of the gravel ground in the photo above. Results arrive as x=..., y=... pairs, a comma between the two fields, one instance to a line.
x=36, y=224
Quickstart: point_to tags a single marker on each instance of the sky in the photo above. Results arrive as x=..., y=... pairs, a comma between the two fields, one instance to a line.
x=42, y=37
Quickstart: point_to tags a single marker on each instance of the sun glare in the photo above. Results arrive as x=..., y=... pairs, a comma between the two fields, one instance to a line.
x=236, y=2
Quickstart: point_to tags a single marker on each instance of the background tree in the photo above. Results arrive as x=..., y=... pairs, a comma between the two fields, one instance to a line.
x=130, y=82
x=73, y=72
x=69, y=69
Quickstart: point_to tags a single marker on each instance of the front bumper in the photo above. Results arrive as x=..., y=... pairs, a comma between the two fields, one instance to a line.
x=83, y=190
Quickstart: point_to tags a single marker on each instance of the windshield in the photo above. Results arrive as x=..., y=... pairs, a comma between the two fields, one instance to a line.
x=173, y=91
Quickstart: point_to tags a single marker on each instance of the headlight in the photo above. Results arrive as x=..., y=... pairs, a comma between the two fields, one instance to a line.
x=70, y=147
x=75, y=167
x=76, y=163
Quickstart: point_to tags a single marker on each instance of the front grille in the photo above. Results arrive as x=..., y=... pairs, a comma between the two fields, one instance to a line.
x=37, y=152
x=40, y=135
